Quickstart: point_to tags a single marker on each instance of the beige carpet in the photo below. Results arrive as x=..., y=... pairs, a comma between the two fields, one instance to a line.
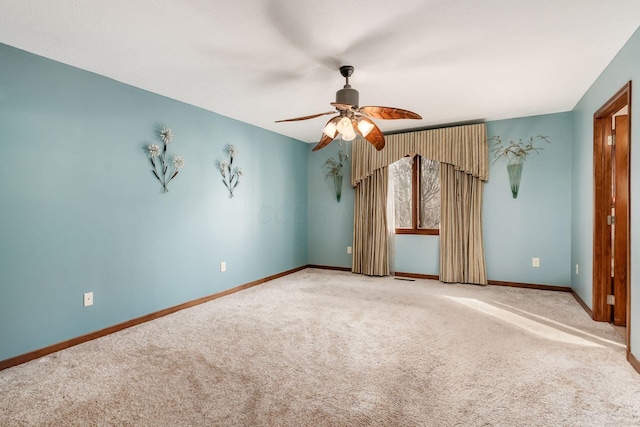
x=324, y=348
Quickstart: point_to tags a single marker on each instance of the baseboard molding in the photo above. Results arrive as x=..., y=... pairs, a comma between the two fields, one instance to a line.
x=328, y=267
x=530, y=286
x=27, y=357
x=633, y=361
x=582, y=303
x=491, y=282
x=417, y=276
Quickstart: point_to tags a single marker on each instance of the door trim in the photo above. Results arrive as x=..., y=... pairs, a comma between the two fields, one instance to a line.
x=602, y=197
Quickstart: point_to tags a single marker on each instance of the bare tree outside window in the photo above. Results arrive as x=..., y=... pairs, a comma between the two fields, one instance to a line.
x=429, y=194
x=426, y=176
x=401, y=172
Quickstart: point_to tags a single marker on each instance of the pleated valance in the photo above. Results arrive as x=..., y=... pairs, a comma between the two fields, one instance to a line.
x=464, y=147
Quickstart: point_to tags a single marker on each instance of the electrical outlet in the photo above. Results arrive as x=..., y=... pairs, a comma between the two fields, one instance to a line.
x=88, y=299
x=349, y=250
x=577, y=268
x=535, y=262
x=223, y=266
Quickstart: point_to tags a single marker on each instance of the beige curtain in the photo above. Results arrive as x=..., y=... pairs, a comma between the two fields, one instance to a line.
x=461, y=249
x=464, y=156
x=370, y=232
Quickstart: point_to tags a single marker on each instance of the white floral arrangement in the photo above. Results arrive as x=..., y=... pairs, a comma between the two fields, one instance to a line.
x=164, y=171
x=230, y=174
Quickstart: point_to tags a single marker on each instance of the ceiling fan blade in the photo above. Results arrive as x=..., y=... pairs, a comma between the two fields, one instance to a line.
x=388, y=113
x=375, y=136
x=313, y=116
x=326, y=140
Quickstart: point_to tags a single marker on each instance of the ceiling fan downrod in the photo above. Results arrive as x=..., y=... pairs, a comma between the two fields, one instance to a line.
x=347, y=95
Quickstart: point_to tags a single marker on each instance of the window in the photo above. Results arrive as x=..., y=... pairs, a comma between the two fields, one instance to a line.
x=416, y=187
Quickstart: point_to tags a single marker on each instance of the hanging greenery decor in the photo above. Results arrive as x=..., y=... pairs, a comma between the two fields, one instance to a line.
x=515, y=153
x=334, y=170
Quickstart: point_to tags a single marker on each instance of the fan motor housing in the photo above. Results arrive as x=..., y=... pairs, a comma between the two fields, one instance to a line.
x=349, y=96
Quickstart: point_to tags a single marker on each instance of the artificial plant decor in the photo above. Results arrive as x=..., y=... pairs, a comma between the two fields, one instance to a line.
x=164, y=171
x=516, y=153
x=334, y=171
x=230, y=174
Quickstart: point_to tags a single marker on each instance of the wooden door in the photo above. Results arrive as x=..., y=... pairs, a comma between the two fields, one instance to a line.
x=620, y=244
x=602, y=235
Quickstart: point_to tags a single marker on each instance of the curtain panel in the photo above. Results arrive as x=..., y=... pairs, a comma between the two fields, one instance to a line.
x=464, y=156
x=461, y=248
x=370, y=231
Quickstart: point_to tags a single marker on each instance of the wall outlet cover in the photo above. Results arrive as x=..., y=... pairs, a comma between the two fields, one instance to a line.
x=87, y=299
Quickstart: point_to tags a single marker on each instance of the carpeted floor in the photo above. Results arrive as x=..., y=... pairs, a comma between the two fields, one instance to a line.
x=326, y=348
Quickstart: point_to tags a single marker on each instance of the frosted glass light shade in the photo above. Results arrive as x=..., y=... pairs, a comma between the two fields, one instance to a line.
x=349, y=136
x=365, y=127
x=330, y=130
x=344, y=125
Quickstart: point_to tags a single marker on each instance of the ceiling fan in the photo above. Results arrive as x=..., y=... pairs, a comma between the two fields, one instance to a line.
x=353, y=119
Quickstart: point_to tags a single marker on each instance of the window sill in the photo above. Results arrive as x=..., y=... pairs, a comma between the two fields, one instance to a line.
x=422, y=231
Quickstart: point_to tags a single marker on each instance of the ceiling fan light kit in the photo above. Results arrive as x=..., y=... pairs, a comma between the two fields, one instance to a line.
x=365, y=126
x=353, y=120
x=331, y=129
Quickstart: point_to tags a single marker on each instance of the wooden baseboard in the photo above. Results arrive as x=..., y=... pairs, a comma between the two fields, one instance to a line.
x=417, y=276
x=582, y=303
x=491, y=282
x=633, y=361
x=530, y=286
x=23, y=358
x=329, y=267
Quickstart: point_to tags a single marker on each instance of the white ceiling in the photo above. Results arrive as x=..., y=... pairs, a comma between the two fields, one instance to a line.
x=259, y=61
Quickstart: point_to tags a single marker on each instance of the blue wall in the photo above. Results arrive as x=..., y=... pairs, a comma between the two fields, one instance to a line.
x=624, y=67
x=330, y=222
x=536, y=224
x=81, y=211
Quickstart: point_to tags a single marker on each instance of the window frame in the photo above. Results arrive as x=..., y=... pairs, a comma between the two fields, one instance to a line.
x=415, y=203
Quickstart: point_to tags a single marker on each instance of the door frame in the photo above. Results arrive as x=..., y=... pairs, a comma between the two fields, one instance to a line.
x=602, y=202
